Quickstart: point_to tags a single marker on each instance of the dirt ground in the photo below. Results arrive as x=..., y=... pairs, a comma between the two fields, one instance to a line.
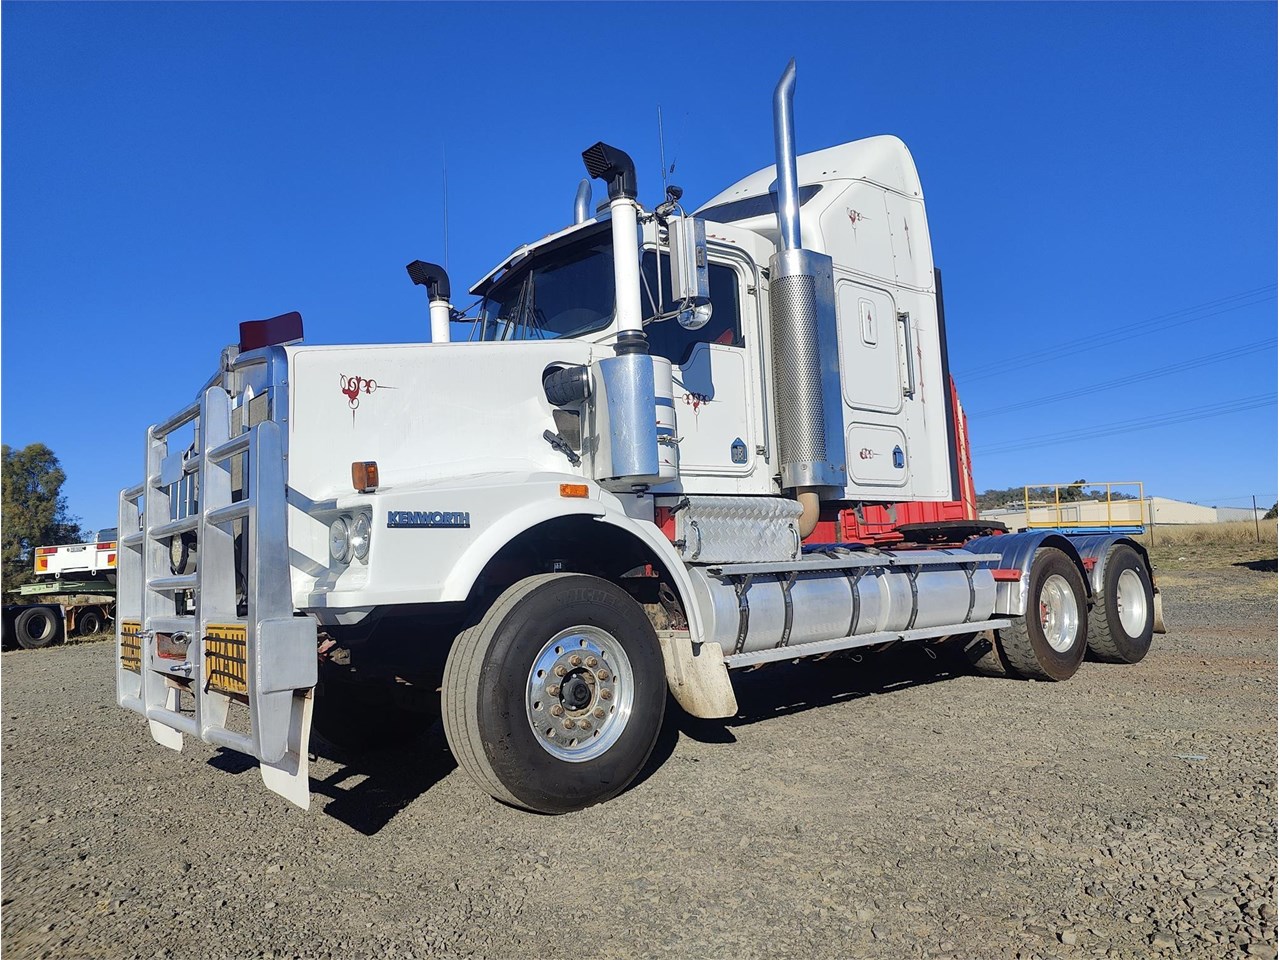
x=887, y=808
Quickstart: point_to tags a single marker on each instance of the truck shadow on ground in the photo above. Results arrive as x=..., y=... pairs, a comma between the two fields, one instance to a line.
x=370, y=787
x=787, y=689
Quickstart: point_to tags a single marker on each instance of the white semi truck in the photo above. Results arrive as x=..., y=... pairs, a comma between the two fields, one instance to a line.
x=629, y=481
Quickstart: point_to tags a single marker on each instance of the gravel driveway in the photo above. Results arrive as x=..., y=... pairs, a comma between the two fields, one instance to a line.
x=886, y=808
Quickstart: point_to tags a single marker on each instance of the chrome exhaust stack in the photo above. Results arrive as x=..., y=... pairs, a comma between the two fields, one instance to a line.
x=806, y=365
x=582, y=202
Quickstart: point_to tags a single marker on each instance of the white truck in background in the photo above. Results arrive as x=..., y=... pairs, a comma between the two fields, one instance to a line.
x=73, y=594
x=636, y=481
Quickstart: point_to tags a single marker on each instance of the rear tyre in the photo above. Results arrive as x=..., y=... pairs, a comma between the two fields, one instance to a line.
x=36, y=627
x=1048, y=643
x=89, y=623
x=1123, y=618
x=554, y=700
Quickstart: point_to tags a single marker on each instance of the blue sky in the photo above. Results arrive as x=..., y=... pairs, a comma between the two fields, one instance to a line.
x=171, y=170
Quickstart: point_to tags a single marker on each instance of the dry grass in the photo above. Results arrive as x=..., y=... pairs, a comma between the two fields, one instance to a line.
x=1203, y=535
x=1244, y=567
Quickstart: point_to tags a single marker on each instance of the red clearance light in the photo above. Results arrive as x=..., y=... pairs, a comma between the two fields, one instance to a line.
x=46, y=551
x=1006, y=573
x=286, y=328
x=107, y=545
x=364, y=476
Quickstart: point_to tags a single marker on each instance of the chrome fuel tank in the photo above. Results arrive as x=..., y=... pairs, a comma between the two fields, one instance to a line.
x=886, y=592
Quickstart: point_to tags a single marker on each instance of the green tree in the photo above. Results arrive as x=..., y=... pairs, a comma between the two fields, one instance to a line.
x=1273, y=512
x=33, y=509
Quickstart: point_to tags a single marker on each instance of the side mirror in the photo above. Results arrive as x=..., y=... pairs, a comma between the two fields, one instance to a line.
x=690, y=284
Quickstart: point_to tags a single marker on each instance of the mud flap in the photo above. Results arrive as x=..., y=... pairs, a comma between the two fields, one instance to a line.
x=162, y=733
x=697, y=678
x=290, y=775
x=1159, y=613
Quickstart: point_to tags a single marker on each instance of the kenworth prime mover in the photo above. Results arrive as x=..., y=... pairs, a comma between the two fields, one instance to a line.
x=648, y=468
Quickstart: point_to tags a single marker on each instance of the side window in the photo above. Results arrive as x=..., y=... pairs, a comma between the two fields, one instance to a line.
x=669, y=339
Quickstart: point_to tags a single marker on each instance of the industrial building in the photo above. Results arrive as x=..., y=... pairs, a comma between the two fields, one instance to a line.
x=1100, y=513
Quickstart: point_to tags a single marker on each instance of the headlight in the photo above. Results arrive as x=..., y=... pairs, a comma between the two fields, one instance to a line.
x=182, y=554
x=360, y=536
x=340, y=540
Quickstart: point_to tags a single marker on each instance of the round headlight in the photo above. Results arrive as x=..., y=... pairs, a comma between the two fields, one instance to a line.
x=360, y=536
x=182, y=554
x=340, y=540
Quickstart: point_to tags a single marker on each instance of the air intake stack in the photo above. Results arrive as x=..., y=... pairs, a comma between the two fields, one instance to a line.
x=806, y=371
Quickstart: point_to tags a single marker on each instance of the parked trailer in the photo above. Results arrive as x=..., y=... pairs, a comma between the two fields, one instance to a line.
x=64, y=609
x=638, y=479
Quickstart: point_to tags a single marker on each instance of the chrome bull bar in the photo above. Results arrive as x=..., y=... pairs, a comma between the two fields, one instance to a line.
x=261, y=656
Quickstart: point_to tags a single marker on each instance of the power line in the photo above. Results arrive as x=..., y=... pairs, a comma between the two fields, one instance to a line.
x=1125, y=426
x=1250, y=298
x=1076, y=392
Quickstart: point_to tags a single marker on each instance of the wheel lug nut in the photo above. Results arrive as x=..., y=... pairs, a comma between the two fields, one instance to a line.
x=568, y=724
x=557, y=710
x=599, y=713
x=584, y=725
x=589, y=677
x=603, y=674
x=592, y=661
x=576, y=660
x=606, y=694
x=560, y=671
x=553, y=690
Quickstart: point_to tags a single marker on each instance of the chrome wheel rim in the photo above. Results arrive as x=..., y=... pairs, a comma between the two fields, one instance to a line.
x=1059, y=617
x=1131, y=603
x=580, y=693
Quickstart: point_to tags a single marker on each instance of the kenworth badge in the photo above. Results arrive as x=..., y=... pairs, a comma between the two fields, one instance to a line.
x=427, y=518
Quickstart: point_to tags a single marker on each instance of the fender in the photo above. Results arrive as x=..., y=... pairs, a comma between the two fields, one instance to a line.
x=1017, y=550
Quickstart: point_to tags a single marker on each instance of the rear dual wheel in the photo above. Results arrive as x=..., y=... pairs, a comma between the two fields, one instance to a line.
x=554, y=700
x=1049, y=641
x=1123, y=618
x=36, y=627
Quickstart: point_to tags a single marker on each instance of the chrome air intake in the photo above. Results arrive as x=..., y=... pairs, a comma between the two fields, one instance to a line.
x=806, y=371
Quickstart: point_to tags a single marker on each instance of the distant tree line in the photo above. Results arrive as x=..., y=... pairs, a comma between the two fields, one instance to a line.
x=1014, y=496
x=33, y=510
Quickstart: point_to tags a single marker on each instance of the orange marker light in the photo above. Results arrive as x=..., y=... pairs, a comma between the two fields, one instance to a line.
x=574, y=490
x=364, y=476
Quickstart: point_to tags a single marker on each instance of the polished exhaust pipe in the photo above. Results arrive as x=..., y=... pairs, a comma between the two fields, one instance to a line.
x=806, y=372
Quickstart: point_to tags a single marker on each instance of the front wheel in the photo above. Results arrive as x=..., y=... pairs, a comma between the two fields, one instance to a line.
x=554, y=700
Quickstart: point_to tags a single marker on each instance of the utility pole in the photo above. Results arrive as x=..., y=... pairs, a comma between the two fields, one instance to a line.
x=1257, y=527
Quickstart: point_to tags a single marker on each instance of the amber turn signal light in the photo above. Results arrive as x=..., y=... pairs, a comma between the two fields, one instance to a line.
x=573, y=490
x=364, y=476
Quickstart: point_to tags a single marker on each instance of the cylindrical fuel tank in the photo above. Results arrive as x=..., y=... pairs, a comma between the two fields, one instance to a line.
x=830, y=604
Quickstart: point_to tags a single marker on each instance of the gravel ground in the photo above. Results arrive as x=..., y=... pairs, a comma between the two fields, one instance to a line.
x=881, y=809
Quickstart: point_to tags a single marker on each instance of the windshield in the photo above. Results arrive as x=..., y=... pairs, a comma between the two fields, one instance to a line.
x=563, y=291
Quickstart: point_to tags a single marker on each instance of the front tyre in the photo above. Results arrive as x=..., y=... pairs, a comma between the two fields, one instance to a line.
x=1048, y=643
x=1123, y=618
x=554, y=700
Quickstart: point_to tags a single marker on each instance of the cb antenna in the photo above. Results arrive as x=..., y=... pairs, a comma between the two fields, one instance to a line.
x=662, y=152
x=444, y=169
